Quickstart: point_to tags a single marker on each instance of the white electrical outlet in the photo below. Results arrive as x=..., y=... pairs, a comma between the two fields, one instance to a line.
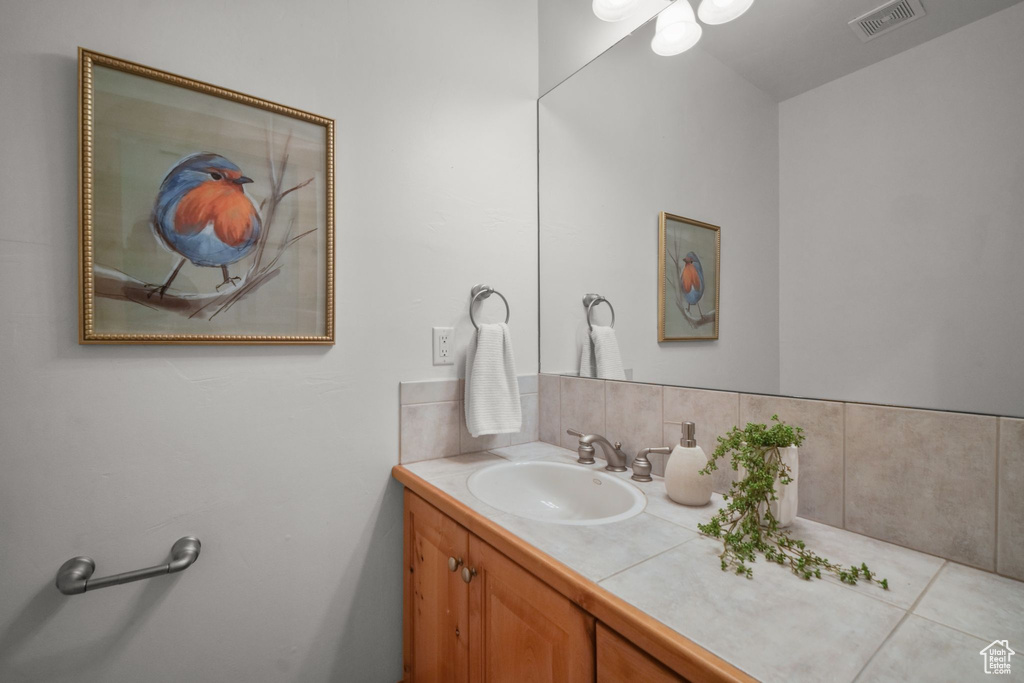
x=444, y=346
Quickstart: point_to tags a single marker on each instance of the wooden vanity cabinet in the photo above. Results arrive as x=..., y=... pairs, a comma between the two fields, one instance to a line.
x=620, y=661
x=436, y=599
x=471, y=614
x=483, y=605
x=520, y=628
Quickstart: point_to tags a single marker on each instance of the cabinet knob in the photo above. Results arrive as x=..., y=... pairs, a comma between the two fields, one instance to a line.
x=468, y=573
x=454, y=564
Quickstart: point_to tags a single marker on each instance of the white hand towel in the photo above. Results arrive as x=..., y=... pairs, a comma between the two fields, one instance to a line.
x=588, y=365
x=606, y=352
x=492, y=387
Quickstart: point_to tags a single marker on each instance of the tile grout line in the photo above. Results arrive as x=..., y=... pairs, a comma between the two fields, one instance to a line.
x=662, y=458
x=678, y=524
x=604, y=393
x=430, y=403
x=952, y=628
x=844, y=466
x=450, y=400
x=400, y=411
x=793, y=398
x=995, y=546
x=402, y=402
x=883, y=600
x=743, y=425
x=916, y=550
x=646, y=559
x=906, y=615
x=558, y=434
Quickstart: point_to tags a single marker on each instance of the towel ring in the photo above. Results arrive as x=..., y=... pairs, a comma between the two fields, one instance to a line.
x=591, y=300
x=482, y=292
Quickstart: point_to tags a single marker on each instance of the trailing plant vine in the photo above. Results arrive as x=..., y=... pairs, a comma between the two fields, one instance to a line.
x=746, y=525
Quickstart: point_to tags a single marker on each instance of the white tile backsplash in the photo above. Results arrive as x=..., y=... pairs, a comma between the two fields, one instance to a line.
x=837, y=481
x=433, y=426
x=433, y=420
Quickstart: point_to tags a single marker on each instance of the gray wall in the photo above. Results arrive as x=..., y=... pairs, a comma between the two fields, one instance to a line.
x=629, y=136
x=902, y=227
x=278, y=458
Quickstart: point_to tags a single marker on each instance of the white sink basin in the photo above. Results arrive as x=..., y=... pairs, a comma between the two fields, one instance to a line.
x=557, y=492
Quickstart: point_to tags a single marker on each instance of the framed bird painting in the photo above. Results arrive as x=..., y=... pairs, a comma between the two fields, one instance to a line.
x=689, y=271
x=206, y=216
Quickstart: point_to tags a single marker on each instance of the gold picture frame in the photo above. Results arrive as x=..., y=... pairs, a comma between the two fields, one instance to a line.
x=681, y=242
x=252, y=191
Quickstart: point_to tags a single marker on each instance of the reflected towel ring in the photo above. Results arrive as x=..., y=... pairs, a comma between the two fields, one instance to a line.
x=591, y=300
x=482, y=292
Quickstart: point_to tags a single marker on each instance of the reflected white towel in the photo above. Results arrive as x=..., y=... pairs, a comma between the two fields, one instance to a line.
x=588, y=364
x=492, y=388
x=606, y=353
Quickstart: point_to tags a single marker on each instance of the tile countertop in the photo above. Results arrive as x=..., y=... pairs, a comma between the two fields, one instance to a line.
x=931, y=624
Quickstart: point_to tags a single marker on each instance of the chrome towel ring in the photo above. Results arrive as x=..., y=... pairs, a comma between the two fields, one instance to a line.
x=482, y=292
x=591, y=300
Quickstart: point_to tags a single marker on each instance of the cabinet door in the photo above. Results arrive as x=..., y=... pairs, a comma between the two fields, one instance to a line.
x=520, y=628
x=435, y=638
x=619, y=661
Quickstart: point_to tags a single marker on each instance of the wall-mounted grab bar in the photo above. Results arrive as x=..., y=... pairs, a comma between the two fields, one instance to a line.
x=74, y=576
x=482, y=292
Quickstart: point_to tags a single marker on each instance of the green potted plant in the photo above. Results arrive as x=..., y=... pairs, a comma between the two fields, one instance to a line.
x=747, y=526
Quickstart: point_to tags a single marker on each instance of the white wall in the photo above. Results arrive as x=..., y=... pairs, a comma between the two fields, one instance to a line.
x=571, y=35
x=629, y=136
x=902, y=227
x=277, y=458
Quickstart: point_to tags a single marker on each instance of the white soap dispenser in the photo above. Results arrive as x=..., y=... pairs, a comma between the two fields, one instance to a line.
x=683, y=480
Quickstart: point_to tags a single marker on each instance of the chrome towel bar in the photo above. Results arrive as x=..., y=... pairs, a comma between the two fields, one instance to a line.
x=482, y=292
x=74, y=576
x=591, y=300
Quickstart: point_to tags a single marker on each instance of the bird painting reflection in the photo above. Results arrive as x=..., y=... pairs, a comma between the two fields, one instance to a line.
x=692, y=281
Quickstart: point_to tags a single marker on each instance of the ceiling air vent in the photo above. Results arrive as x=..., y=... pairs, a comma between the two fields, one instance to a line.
x=889, y=16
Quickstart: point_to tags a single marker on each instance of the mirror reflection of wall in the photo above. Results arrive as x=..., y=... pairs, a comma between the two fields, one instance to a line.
x=870, y=198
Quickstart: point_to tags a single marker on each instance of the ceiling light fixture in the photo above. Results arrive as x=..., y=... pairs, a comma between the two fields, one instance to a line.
x=720, y=11
x=614, y=10
x=676, y=30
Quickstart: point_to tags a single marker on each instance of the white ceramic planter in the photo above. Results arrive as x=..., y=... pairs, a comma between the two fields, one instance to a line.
x=783, y=509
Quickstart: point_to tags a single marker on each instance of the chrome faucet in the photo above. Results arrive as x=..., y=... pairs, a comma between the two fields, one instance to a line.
x=612, y=451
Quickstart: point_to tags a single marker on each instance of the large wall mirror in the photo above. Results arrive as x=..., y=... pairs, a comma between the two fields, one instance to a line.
x=869, y=195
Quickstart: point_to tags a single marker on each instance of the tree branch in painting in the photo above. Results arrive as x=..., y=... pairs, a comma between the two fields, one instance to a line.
x=110, y=283
x=674, y=281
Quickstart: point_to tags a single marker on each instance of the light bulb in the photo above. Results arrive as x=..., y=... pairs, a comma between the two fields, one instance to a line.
x=676, y=30
x=614, y=10
x=720, y=11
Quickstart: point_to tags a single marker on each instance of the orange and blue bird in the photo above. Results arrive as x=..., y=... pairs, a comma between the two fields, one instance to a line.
x=693, y=281
x=203, y=214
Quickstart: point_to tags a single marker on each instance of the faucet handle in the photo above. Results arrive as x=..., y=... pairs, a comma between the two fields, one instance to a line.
x=585, y=450
x=642, y=465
